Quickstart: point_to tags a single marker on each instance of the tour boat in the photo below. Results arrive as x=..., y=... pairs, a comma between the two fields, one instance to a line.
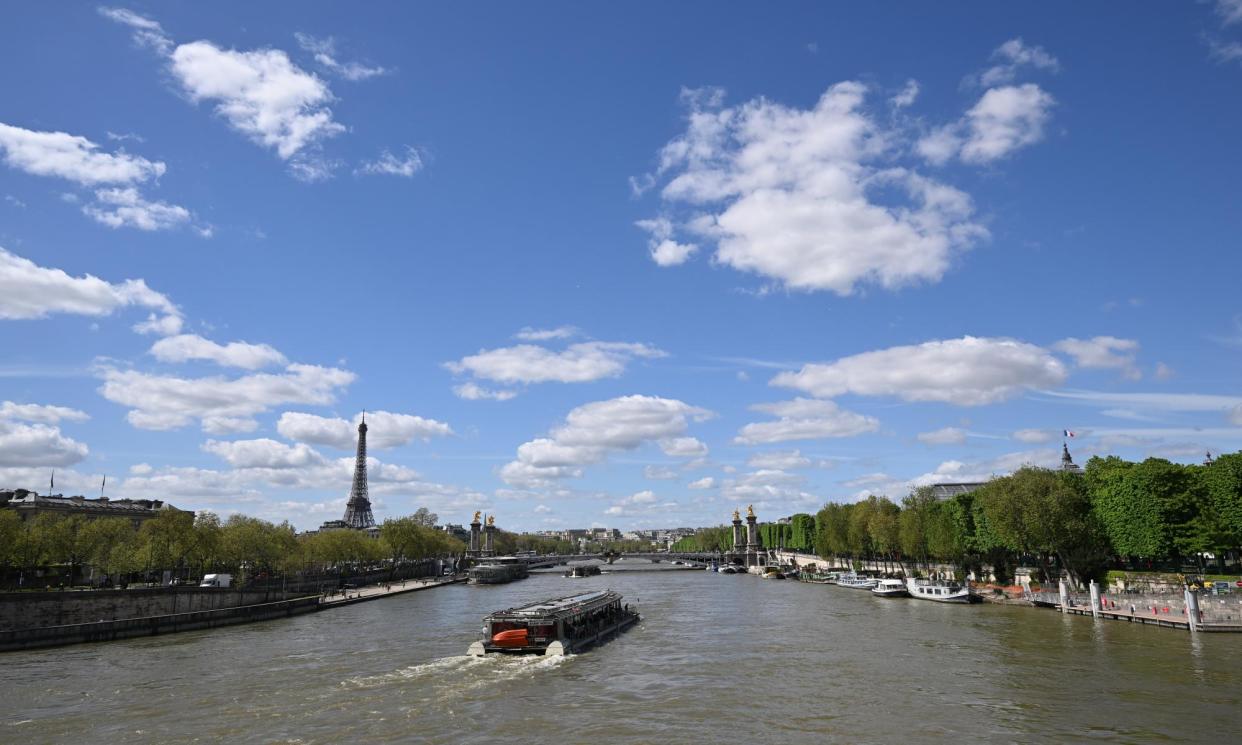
x=497, y=570
x=855, y=581
x=772, y=572
x=728, y=569
x=890, y=588
x=941, y=591
x=555, y=627
x=583, y=570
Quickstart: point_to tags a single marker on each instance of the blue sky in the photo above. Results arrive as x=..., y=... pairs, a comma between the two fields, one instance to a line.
x=601, y=265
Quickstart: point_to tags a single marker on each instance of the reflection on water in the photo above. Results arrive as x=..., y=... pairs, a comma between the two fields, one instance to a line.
x=716, y=658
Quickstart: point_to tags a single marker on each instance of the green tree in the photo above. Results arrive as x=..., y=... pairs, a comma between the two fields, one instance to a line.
x=1223, y=482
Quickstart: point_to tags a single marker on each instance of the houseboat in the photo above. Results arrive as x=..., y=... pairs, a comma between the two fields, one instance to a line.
x=555, y=627
x=890, y=588
x=941, y=591
x=855, y=581
x=583, y=570
x=498, y=570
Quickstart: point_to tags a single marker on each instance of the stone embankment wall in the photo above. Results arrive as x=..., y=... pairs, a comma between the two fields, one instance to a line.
x=51, y=636
x=26, y=610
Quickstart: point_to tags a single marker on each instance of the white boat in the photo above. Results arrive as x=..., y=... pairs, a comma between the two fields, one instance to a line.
x=855, y=581
x=890, y=588
x=941, y=591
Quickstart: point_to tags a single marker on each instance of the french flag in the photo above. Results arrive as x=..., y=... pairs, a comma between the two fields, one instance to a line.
x=1069, y=434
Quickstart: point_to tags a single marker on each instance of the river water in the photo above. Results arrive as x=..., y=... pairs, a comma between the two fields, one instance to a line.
x=716, y=659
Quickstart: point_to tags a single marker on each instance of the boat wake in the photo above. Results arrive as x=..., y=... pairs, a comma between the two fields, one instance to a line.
x=462, y=672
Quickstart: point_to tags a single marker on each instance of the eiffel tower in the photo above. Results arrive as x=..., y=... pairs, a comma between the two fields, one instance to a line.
x=358, y=509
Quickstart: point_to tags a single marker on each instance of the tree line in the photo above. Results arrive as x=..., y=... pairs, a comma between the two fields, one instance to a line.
x=1151, y=514
x=75, y=549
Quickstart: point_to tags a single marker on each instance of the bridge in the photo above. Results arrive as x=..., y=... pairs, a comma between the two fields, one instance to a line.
x=696, y=558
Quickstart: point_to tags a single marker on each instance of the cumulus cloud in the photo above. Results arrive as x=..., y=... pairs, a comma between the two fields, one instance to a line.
x=707, y=482
x=41, y=413
x=578, y=363
x=804, y=419
x=126, y=207
x=907, y=95
x=770, y=488
x=263, y=453
x=683, y=447
x=29, y=291
x=1004, y=120
x=794, y=196
x=387, y=164
x=472, y=391
x=640, y=503
x=73, y=158
x=944, y=436
x=146, y=32
x=969, y=371
x=1107, y=352
x=660, y=473
x=163, y=402
x=560, y=332
x=664, y=250
x=37, y=445
x=779, y=460
x=592, y=431
x=324, y=50
x=186, y=347
x=384, y=429
x=1014, y=55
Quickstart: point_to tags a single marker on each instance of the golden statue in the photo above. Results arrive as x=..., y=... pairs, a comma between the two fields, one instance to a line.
x=491, y=520
x=736, y=516
x=476, y=515
x=750, y=510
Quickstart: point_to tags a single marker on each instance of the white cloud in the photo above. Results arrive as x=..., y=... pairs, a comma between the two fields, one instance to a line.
x=74, y=158
x=780, y=460
x=1103, y=352
x=907, y=95
x=263, y=95
x=707, y=482
x=770, y=488
x=944, y=436
x=560, y=332
x=26, y=445
x=472, y=391
x=168, y=402
x=1033, y=436
x=228, y=425
x=790, y=195
x=968, y=372
x=579, y=363
x=1164, y=372
x=40, y=413
x=1004, y=120
x=325, y=54
x=146, y=32
x=1152, y=401
x=186, y=347
x=664, y=250
x=683, y=447
x=29, y=291
x=592, y=431
x=263, y=453
x=660, y=473
x=955, y=471
x=391, y=165
x=1013, y=55
x=384, y=429
x=126, y=207
x=542, y=509
x=1230, y=11
x=804, y=419
x=1235, y=415
x=640, y=503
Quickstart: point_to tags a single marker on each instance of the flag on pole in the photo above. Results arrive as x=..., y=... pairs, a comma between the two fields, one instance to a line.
x=51, y=487
x=1069, y=434
x=102, y=484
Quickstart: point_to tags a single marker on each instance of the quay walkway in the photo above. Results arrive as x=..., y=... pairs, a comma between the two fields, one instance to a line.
x=352, y=595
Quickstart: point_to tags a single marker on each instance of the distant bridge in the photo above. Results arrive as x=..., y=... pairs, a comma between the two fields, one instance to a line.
x=697, y=558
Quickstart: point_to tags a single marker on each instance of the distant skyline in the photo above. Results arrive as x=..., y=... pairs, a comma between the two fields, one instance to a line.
x=626, y=266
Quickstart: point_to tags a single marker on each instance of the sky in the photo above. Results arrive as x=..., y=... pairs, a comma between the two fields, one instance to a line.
x=593, y=264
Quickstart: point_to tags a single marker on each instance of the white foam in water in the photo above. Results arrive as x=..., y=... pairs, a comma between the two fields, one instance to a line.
x=435, y=667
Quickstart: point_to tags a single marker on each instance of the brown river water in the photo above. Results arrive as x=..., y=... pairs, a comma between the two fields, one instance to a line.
x=716, y=659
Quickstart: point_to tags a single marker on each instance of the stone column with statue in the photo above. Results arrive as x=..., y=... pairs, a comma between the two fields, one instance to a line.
x=489, y=531
x=474, y=536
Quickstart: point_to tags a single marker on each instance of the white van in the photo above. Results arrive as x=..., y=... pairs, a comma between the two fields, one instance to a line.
x=216, y=580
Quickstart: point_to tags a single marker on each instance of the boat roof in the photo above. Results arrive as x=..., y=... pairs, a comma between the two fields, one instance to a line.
x=555, y=606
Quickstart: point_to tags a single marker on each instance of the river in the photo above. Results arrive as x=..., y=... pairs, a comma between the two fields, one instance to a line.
x=716, y=659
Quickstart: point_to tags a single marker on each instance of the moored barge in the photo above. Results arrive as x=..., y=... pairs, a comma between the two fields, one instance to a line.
x=498, y=570
x=555, y=627
x=583, y=570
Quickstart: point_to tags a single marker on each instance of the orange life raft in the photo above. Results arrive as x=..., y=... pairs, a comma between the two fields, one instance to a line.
x=511, y=638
